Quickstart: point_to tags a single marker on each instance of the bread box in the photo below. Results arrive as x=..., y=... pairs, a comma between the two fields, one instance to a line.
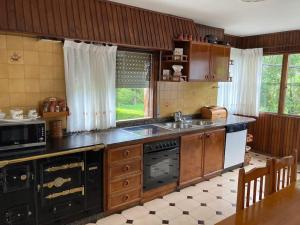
x=213, y=112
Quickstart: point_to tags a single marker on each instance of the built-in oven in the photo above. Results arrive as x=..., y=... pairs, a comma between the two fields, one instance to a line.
x=15, y=135
x=161, y=163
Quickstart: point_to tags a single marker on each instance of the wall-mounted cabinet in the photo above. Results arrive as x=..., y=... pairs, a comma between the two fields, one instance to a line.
x=203, y=61
x=209, y=62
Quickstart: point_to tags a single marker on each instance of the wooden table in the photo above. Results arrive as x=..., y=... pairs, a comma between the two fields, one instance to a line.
x=280, y=208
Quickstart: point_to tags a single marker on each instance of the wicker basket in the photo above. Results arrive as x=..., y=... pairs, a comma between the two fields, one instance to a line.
x=56, y=130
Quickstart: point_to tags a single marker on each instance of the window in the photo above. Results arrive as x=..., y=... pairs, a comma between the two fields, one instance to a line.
x=270, y=85
x=134, y=86
x=292, y=95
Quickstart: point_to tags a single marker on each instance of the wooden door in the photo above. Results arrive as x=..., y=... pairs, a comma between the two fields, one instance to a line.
x=199, y=62
x=191, y=158
x=214, y=146
x=220, y=57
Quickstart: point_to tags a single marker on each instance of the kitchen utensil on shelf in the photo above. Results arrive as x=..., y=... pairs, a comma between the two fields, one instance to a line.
x=32, y=113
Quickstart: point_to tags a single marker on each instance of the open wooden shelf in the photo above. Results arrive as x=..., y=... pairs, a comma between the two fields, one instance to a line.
x=175, y=58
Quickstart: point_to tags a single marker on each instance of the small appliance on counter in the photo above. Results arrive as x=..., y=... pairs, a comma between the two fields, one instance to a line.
x=22, y=134
x=213, y=112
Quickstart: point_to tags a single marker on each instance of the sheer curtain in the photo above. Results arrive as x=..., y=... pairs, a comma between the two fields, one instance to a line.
x=242, y=95
x=90, y=74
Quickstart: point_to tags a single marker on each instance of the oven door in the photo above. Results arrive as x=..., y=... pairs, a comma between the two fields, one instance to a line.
x=160, y=168
x=21, y=135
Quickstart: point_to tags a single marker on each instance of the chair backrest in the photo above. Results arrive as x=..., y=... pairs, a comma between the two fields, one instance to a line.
x=284, y=171
x=259, y=179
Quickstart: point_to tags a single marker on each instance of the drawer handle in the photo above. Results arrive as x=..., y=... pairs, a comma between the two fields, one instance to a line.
x=126, y=168
x=125, y=198
x=126, y=153
x=125, y=183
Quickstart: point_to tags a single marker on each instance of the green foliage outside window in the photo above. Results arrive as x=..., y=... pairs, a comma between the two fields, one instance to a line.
x=292, y=99
x=130, y=103
x=270, y=84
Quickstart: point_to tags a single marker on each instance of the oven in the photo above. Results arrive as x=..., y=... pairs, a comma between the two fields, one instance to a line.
x=16, y=135
x=161, y=163
x=17, y=194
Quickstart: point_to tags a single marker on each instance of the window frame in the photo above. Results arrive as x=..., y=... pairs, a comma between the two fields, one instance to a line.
x=152, y=88
x=283, y=85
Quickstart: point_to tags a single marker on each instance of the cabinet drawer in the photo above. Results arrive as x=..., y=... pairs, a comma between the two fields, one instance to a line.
x=125, y=168
x=124, y=153
x=125, y=198
x=125, y=184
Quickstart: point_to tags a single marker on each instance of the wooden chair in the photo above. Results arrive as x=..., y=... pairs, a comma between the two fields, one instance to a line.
x=259, y=179
x=284, y=171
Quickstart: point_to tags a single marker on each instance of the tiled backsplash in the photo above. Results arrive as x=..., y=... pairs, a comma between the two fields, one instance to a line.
x=36, y=75
x=185, y=97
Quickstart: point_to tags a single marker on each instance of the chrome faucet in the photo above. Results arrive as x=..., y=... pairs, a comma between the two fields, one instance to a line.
x=178, y=117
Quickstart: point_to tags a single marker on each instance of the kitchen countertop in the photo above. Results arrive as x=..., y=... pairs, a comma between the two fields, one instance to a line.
x=111, y=137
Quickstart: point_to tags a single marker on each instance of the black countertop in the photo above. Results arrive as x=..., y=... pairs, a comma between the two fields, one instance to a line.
x=107, y=138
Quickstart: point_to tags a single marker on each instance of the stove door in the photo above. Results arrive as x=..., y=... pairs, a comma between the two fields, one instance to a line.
x=160, y=168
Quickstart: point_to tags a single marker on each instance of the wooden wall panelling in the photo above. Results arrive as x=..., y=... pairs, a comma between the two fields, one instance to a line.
x=64, y=18
x=11, y=15
x=276, y=135
x=3, y=15
x=204, y=30
x=70, y=16
x=27, y=16
x=20, y=15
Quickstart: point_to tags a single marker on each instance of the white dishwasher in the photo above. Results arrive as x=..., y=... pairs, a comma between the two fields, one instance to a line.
x=235, y=148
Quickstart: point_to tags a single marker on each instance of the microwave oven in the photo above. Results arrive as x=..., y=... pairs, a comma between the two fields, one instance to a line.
x=16, y=135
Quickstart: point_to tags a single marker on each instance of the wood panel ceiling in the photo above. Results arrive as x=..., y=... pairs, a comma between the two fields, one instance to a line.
x=93, y=20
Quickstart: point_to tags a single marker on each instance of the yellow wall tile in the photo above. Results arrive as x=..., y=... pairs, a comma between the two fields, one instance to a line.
x=30, y=44
x=17, y=100
x=58, y=72
x=2, y=42
x=14, y=42
x=16, y=85
x=3, y=56
x=16, y=71
x=4, y=100
x=4, y=84
x=32, y=85
x=32, y=71
x=31, y=58
x=47, y=86
x=44, y=46
x=46, y=72
x=12, y=53
x=185, y=97
x=45, y=59
x=32, y=100
x=3, y=70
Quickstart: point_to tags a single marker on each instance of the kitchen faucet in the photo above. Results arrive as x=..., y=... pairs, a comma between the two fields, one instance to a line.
x=178, y=117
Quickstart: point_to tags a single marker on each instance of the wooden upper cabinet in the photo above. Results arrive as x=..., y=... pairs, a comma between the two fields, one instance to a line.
x=209, y=62
x=214, y=143
x=220, y=56
x=199, y=61
x=191, y=158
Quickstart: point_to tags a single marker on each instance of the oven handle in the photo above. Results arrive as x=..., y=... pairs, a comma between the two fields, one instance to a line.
x=164, y=150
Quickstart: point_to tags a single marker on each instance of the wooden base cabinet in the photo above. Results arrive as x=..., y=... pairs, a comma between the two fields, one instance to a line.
x=191, y=158
x=124, y=176
x=201, y=154
x=214, y=151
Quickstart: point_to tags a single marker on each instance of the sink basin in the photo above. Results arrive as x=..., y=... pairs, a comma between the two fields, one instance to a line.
x=178, y=125
x=201, y=122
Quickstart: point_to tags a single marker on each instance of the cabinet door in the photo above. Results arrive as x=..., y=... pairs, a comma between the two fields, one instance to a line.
x=191, y=157
x=214, y=144
x=199, y=61
x=220, y=56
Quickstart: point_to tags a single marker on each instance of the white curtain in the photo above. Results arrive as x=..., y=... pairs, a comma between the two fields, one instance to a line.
x=242, y=95
x=90, y=74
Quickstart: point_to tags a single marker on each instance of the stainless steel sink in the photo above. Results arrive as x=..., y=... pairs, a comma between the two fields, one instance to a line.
x=177, y=125
x=201, y=122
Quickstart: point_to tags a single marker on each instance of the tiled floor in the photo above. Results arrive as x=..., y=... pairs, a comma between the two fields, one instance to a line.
x=205, y=203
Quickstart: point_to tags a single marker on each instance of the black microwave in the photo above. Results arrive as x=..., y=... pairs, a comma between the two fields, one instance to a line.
x=15, y=135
